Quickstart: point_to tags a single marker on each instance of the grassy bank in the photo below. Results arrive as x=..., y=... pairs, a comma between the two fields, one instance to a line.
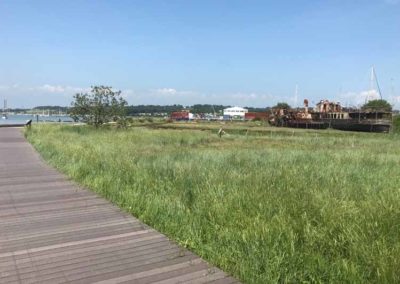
x=267, y=208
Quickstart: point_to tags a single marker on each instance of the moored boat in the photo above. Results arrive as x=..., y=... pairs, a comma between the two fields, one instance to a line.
x=369, y=120
x=331, y=115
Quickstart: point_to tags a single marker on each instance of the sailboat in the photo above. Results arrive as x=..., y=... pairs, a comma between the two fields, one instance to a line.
x=4, y=114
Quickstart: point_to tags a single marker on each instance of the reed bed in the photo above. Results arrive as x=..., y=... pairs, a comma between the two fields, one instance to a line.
x=303, y=206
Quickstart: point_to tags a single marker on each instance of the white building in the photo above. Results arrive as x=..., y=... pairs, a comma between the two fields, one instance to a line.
x=235, y=112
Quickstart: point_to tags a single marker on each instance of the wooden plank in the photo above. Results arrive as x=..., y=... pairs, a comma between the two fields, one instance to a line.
x=86, y=264
x=86, y=235
x=75, y=251
x=92, y=269
x=140, y=266
x=68, y=244
x=170, y=272
x=82, y=255
x=150, y=272
x=112, y=225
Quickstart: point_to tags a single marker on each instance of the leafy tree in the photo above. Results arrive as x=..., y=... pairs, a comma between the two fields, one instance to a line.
x=257, y=109
x=100, y=106
x=377, y=105
x=282, y=105
x=152, y=109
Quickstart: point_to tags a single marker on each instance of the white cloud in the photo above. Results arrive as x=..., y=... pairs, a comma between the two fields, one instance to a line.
x=250, y=99
x=58, y=89
x=9, y=87
x=395, y=99
x=171, y=92
x=46, y=94
x=127, y=94
x=161, y=96
x=166, y=91
x=52, y=89
x=357, y=99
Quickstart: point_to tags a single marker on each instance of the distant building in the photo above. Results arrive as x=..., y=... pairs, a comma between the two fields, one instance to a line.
x=182, y=115
x=256, y=115
x=235, y=112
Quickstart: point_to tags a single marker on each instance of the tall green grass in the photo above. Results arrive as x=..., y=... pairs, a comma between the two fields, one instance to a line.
x=300, y=207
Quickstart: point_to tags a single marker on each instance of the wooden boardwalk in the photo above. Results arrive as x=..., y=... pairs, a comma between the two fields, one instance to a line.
x=52, y=231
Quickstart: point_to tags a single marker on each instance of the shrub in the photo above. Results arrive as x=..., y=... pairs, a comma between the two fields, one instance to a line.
x=100, y=106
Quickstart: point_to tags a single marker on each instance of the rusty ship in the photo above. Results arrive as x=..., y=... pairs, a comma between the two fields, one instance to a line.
x=329, y=114
x=365, y=120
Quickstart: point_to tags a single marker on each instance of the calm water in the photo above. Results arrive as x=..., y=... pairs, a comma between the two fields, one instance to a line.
x=14, y=119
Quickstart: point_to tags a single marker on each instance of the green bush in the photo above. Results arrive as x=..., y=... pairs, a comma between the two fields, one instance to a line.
x=396, y=124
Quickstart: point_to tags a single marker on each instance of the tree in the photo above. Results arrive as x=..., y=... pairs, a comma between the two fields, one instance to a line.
x=381, y=105
x=282, y=105
x=100, y=106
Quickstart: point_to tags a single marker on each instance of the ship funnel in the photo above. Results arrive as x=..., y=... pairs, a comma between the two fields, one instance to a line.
x=305, y=105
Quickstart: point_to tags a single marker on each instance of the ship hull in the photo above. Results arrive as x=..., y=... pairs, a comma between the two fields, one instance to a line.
x=360, y=126
x=306, y=124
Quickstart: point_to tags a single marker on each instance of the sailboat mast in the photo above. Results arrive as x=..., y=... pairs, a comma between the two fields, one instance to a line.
x=377, y=85
x=215, y=115
x=374, y=81
x=391, y=88
x=4, y=114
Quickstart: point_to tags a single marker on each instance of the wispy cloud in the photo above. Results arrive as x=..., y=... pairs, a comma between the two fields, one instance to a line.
x=252, y=99
x=46, y=88
x=171, y=92
x=357, y=99
x=58, y=89
x=52, y=89
x=166, y=91
x=392, y=2
x=57, y=94
x=46, y=94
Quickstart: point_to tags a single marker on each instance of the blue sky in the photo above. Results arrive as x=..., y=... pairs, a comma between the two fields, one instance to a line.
x=249, y=53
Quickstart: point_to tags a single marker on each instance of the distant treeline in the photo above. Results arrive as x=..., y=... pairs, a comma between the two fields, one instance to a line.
x=152, y=109
x=18, y=110
x=197, y=108
x=137, y=110
x=52, y=108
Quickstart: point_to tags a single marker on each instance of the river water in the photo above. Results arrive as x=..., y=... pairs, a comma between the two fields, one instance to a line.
x=23, y=118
